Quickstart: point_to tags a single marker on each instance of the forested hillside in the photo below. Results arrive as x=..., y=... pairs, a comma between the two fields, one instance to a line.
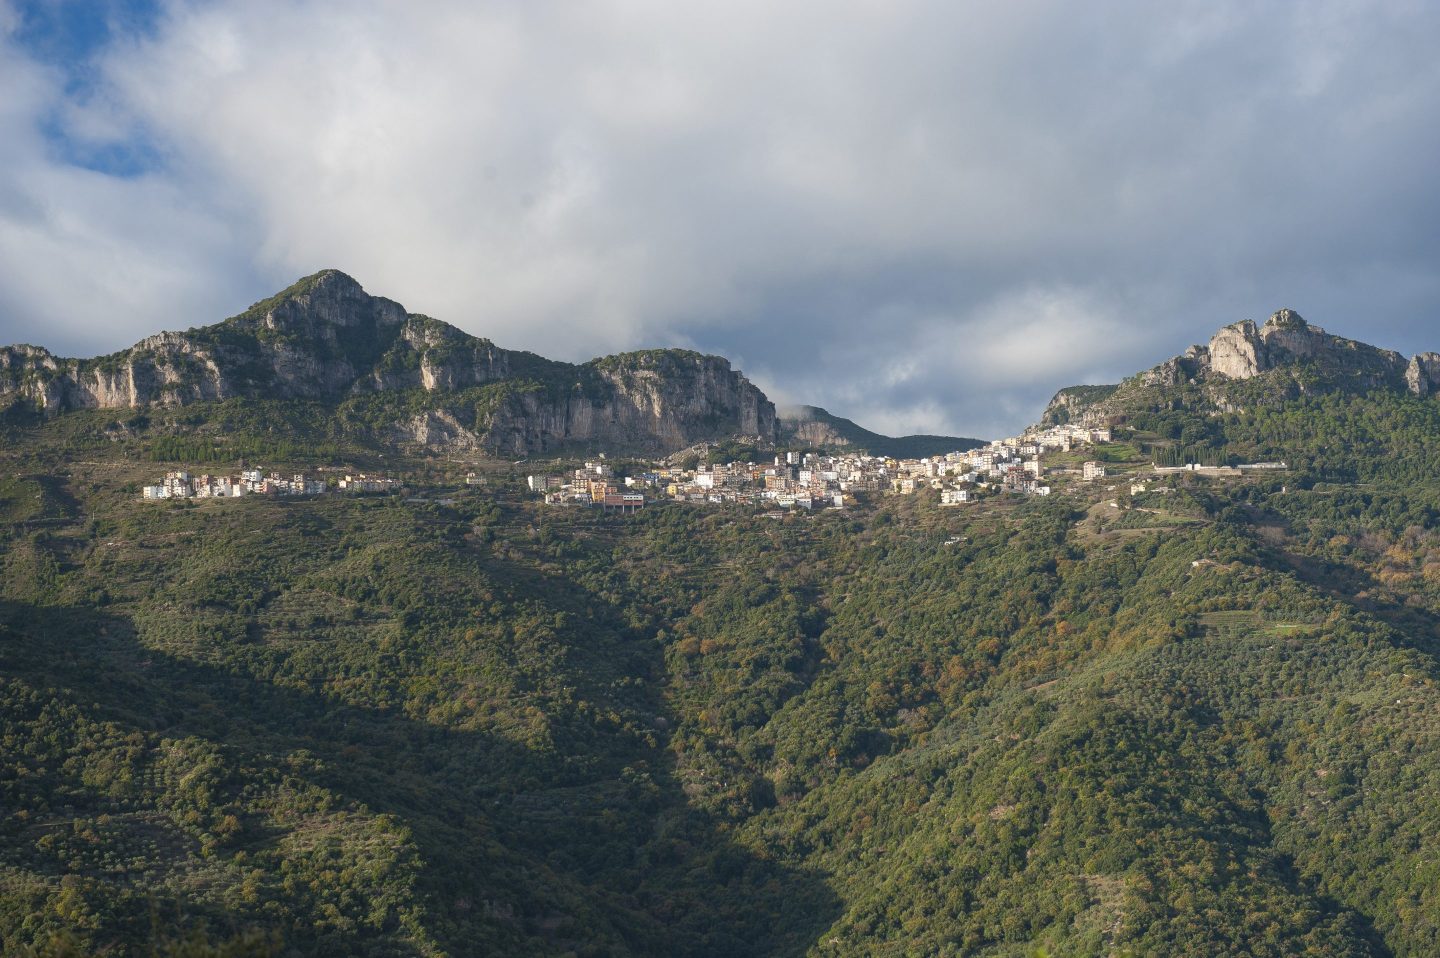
x=1200, y=719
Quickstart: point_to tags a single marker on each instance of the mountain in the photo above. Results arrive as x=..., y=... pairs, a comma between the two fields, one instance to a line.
x=813, y=427
x=405, y=377
x=1244, y=365
x=1189, y=713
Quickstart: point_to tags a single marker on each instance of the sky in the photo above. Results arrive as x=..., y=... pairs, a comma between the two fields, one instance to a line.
x=925, y=216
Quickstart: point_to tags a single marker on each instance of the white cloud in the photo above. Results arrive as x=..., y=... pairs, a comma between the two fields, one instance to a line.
x=922, y=214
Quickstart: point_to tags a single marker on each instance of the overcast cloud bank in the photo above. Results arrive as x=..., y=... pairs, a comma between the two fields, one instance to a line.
x=922, y=215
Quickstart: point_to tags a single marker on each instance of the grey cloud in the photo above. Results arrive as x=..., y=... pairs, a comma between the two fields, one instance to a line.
x=922, y=215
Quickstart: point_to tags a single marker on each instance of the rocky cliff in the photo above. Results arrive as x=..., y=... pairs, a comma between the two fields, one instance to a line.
x=1243, y=363
x=326, y=340
x=1422, y=374
x=1243, y=351
x=1287, y=352
x=664, y=399
x=1074, y=403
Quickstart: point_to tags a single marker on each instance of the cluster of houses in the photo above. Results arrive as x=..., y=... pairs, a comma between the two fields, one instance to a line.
x=594, y=484
x=1064, y=438
x=794, y=480
x=362, y=483
x=180, y=484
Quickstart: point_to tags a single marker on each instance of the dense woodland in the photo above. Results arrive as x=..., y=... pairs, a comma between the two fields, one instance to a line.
x=1199, y=720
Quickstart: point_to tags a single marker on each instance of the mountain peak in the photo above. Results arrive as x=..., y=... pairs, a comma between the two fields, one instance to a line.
x=407, y=378
x=1292, y=355
x=1286, y=319
x=331, y=275
x=329, y=298
x=325, y=281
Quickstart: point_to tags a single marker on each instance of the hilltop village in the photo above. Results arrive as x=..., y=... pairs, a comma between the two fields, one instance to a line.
x=1028, y=465
x=797, y=480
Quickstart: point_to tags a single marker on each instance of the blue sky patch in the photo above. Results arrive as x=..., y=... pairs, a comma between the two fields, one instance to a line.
x=69, y=35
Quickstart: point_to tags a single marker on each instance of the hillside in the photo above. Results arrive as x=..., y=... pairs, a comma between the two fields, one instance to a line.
x=1245, y=366
x=1177, y=714
x=810, y=427
x=395, y=377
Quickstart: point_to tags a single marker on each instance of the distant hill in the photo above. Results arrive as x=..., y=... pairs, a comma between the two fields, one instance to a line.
x=402, y=377
x=1245, y=366
x=812, y=426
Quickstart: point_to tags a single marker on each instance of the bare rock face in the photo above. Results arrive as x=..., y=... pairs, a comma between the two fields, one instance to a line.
x=1237, y=351
x=1243, y=351
x=659, y=399
x=165, y=369
x=1078, y=404
x=1172, y=372
x=325, y=339
x=440, y=430
x=1298, y=356
x=1422, y=374
x=1286, y=334
x=303, y=343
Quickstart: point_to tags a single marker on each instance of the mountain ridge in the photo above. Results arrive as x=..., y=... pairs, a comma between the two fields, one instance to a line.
x=1167, y=712
x=1244, y=363
x=325, y=339
x=818, y=427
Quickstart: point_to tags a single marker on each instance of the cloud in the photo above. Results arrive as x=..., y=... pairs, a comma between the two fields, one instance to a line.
x=925, y=216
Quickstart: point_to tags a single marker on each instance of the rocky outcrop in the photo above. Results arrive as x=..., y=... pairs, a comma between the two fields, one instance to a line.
x=440, y=429
x=1288, y=354
x=1422, y=374
x=325, y=339
x=1077, y=404
x=306, y=343
x=657, y=399
x=1237, y=352
x=1287, y=336
x=1242, y=351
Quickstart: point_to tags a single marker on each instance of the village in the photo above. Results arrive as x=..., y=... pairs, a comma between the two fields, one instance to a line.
x=795, y=480
x=792, y=480
x=180, y=484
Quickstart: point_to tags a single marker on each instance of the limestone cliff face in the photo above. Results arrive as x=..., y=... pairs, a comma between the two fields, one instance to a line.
x=1237, y=352
x=1422, y=374
x=306, y=343
x=1297, y=356
x=1077, y=404
x=1242, y=351
x=160, y=370
x=666, y=399
x=325, y=339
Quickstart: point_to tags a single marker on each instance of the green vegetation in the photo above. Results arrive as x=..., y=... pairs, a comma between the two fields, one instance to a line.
x=1195, y=722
